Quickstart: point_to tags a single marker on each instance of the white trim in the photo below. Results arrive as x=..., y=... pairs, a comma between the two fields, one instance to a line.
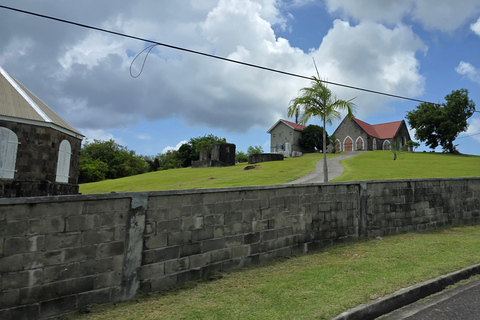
x=25, y=96
x=363, y=143
x=383, y=145
x=43, y=124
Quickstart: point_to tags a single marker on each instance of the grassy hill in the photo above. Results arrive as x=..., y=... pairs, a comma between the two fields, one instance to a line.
x=374, y=165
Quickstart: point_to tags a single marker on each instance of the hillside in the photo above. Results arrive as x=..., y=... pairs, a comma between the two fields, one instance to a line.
x=374, y=165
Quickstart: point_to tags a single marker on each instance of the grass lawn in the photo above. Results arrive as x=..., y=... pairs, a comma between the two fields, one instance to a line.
x=312, y=286
x=265, y=173
x=379, y=165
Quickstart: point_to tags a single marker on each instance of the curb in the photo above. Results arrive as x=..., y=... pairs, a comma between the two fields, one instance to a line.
x=406, y=296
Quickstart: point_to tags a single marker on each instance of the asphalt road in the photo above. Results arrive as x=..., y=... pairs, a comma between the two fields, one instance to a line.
x=462, y=302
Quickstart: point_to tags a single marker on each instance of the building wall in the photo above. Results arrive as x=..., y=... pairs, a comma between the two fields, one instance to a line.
x=282, y=134
x=60, y=254
x=36, y=161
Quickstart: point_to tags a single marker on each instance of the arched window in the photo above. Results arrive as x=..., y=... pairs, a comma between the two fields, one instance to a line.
x=8, y=153
x=359, y=143
x=386, y=145
x=63, y=164
x=374, y=144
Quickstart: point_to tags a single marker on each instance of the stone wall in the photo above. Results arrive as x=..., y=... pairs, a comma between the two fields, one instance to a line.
x=36, y=162
x=264, y=157
x=60, y=254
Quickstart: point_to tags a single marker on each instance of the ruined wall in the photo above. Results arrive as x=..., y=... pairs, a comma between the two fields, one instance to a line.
x=60, y=254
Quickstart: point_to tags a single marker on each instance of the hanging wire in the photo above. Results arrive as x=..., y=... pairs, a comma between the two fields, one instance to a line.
x=149, y=48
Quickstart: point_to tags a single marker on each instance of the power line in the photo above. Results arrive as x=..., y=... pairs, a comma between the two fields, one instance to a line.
x=210, y=55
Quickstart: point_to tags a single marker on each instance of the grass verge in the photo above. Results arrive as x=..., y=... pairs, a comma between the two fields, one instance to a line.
x=265, y=173
x=313, y=286
x=379, y=165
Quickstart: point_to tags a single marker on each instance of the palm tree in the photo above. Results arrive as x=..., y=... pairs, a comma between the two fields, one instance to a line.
x=318, y=100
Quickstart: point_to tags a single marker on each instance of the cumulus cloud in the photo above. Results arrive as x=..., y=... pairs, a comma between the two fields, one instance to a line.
x=476, y=27
x=443, y=15
x=169, y=148
x=473, y=129
x=84, y=75
x=466, y=69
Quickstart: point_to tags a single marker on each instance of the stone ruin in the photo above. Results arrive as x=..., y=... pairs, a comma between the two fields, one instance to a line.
x=221, y=155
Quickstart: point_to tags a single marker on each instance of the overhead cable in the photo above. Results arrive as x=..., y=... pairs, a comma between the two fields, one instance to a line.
x=210, y=55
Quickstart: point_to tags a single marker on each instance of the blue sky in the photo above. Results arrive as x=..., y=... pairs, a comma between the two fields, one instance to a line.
x=422, y=50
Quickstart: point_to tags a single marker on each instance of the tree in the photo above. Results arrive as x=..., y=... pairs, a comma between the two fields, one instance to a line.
x=411, y=144
x=101, y=160
x=203, y=144
x=395, y=147
x=241, y=156
x=437, y=124
x=318, y=101
x=312, y=138
x=333, y=141
x=254, y=150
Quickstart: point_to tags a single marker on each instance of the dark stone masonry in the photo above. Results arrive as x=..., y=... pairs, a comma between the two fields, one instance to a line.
x=60, y=254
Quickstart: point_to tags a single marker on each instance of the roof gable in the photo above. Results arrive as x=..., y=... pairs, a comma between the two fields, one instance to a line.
x=380, y=131
x=18, y=102
x=293, y=125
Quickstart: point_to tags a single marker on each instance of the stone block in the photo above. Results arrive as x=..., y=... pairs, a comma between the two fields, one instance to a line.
x=234, y=241
x=199, y=260
x=92, y=267
x=158, y=255
x=93, y=297
x=163, y=283
x=174, y=266
x=156, y=241
x=46, y=225
x=9, y=299
x=13, y=229
x=190, y=249
x=21, y=313
x=83, y=222
x=24, y=244
x=110, y=249
x=90, y=237
x=108, y=279
x=221, y=255
x=240, y=251
x=179, y=238
x=61, y=273
x=81, y=253
x=152, y=271
x=189, y=275
x=12, y=263
x=214, y=244
x=169, y=226
x=21, y=279
x=233, y=217
x=62, y=240
x=56, y=307
x=202, y=234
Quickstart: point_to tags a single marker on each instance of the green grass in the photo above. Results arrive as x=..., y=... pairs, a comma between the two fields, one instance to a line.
x=265, y=173
x=312, y=286
x=379, y=165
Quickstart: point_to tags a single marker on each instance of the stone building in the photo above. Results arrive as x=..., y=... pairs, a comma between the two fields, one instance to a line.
x=284, y=135
x=39, y=151
x=354, y=134
x=221, y=155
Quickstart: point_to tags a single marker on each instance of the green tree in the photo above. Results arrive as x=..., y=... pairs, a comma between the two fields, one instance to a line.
x=318, y=101
x=312, y=138
x=241, y=156
x=395, y=148
x=119, y=161
x=333, y=141
x=437, y=124
x=184, y=155
x=254, y=150
x=411, y=144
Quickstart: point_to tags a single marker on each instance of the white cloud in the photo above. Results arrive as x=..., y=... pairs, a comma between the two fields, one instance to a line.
x=443, y=15
x=96, y=134
x=473, y=129
x=476, y=27
x=466, y=69
x=169, y=148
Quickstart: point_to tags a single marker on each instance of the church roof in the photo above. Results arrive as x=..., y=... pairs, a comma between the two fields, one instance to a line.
x=380, y=131
x=17, y=103
x=291, y=124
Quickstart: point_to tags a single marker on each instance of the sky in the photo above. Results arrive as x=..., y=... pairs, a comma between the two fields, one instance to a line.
x=418, y=49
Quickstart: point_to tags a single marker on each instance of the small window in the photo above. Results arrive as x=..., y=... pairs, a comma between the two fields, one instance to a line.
x=273, y=135
x=8, y=153
x=279, y=135
x=291, y=132
x=63, y=164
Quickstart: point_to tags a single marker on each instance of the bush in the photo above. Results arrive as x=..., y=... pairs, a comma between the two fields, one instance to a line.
x=254, y=150
x=241, y=156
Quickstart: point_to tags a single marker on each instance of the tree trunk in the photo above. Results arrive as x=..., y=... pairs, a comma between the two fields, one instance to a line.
x=325, y=169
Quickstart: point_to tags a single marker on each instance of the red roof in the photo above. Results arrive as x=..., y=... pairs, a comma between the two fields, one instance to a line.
x=380, y=131
x=294, y=125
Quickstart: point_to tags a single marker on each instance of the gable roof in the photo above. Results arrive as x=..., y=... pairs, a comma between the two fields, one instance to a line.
x=293, y=125
x=17, y=103
x=380, y=131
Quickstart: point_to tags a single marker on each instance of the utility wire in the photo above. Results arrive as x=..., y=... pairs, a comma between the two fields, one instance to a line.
x=210, y=55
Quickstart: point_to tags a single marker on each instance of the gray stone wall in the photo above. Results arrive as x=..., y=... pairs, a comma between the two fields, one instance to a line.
x=60, y=254
x=348, y=128
x=264, y=157
x=36, y=162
